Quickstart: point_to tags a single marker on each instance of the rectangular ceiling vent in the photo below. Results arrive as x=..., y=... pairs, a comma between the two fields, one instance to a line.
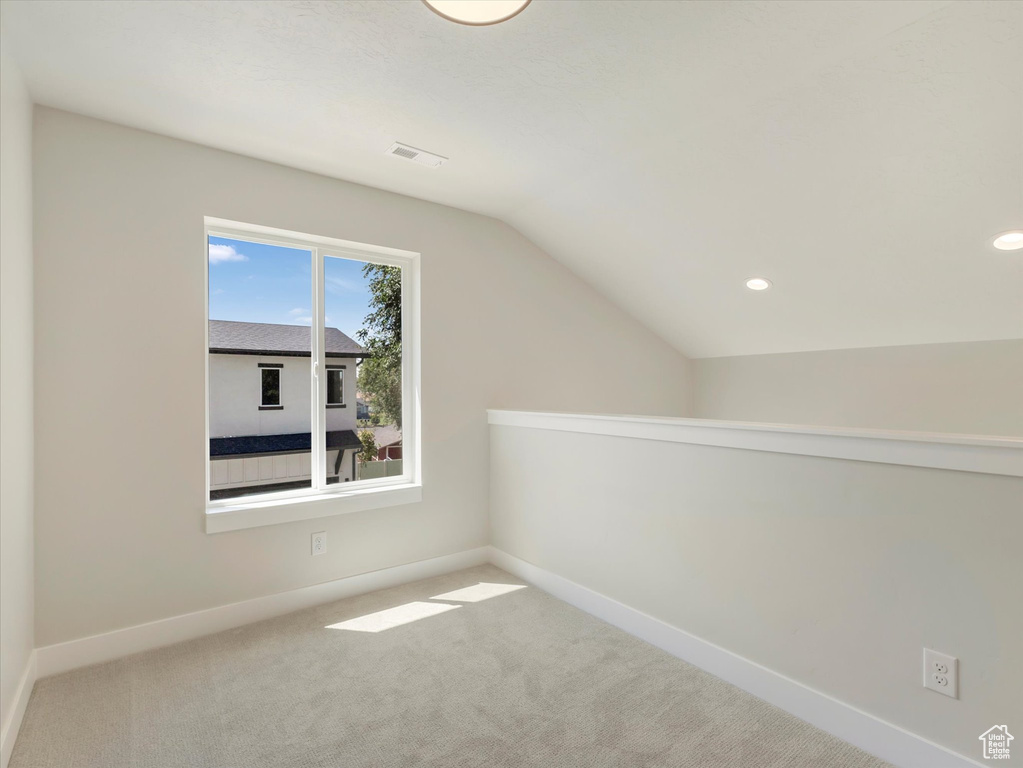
x=420, y=156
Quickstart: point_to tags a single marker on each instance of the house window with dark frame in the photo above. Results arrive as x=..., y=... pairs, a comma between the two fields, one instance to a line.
x=335, y=386
x=270, y=387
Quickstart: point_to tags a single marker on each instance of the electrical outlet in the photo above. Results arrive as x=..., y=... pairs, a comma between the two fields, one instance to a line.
x=941, y=673
x=319, y=543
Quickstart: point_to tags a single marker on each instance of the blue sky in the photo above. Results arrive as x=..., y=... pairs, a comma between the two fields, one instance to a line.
x=259, y=283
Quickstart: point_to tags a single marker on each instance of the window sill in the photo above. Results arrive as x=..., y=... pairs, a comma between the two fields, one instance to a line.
x=271, y=407
x=255, y=514
x=336, y=405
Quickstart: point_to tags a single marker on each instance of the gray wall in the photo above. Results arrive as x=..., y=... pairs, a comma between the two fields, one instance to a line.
x=16, y=456
x=831, y=572
x=974, y=387
x=119, y=301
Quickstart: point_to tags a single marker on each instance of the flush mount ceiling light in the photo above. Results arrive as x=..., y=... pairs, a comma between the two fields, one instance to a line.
x=1009, y=241
x=477, y=13
x=758, y=283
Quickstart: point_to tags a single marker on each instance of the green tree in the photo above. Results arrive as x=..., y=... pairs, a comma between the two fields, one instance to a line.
x=369, y=446
x=380, y=374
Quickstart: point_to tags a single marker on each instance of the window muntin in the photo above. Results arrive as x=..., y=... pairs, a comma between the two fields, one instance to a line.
x=327, y=463
x=270, y=387
x=335, y=385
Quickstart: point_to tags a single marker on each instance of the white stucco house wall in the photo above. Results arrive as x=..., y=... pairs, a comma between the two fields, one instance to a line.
x=260, y=407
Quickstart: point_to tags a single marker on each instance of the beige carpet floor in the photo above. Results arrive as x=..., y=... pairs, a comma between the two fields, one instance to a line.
x=487, y=676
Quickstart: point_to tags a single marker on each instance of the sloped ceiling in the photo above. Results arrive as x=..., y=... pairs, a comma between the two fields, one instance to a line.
x=859, y=154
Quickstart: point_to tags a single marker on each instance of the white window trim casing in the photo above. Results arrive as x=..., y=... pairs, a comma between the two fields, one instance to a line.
x=326, y=500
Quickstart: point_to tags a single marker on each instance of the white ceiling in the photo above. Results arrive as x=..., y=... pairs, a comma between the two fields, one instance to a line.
x=858, y=154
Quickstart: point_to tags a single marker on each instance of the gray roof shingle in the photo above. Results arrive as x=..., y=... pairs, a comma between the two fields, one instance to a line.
x=235, y=338
x=385, y=435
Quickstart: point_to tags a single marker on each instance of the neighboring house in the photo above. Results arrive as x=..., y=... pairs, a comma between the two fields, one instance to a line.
x=361, y=409
x=388, y=441
x=260, y=403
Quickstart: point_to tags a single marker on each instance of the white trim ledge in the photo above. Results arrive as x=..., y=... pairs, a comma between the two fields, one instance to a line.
x=963, y=453
x=61, y=657
x=294, y=509
x=861, y=729
x=9, y=734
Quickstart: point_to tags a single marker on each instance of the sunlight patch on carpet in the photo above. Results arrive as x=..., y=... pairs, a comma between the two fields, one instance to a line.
x=482, y=591
x=393, y=617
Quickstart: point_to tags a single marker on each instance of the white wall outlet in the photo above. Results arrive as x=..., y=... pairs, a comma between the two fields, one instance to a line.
x=941, y=673
x=319, y=543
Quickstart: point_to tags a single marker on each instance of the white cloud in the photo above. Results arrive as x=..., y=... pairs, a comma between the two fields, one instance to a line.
x=299, y=315
x=340, y=285
x=222, y=253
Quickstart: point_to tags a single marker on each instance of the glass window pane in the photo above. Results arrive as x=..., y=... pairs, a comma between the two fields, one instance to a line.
x=362, y=333
x=260, y=380
x=271, y=386
x=335, y=386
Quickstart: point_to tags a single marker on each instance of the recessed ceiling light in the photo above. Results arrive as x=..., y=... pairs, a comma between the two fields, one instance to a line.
x=477, y=13
x=1009, y=241
x=758, y=283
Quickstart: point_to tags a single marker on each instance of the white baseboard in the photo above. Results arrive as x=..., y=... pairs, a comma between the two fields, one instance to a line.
x=73, y=654
x=9, y=734
x=869, y=733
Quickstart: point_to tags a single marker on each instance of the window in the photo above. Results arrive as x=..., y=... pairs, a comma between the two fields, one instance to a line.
x=335, y=386
x=270, y=386
x=332, y=323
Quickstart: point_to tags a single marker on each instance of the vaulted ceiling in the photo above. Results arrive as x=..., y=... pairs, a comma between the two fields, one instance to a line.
x=860, y=155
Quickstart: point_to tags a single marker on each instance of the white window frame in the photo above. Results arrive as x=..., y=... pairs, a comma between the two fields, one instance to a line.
x=280, y=387
x=322, y=500
x=340, y=369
